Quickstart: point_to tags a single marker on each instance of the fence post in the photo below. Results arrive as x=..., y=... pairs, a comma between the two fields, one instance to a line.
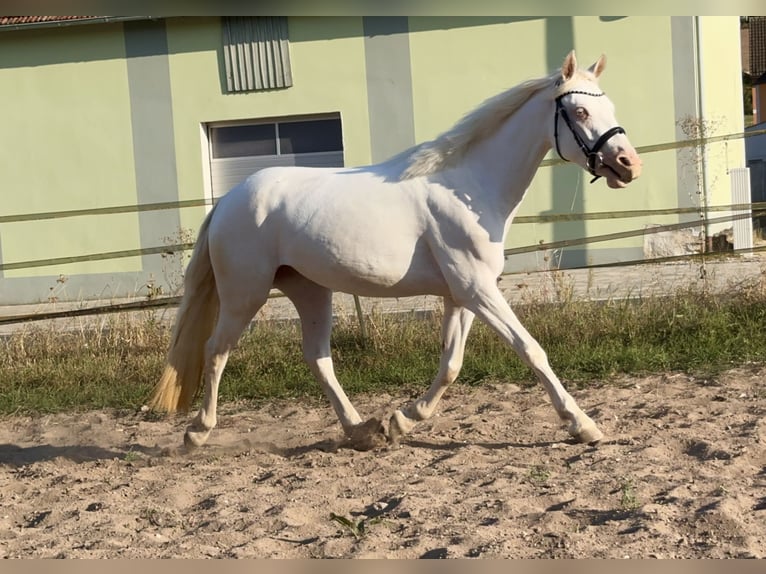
x=360, y=316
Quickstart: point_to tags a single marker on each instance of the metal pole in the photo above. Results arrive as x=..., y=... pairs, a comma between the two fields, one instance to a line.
x=360, y=316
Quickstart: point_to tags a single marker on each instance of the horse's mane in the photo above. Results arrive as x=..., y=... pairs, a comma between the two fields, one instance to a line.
x=446, y=149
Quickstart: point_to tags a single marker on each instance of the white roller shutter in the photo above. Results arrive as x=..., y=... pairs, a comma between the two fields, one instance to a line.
x=233, y=158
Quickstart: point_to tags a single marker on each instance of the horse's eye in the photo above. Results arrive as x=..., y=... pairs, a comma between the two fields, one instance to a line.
x=581, y=114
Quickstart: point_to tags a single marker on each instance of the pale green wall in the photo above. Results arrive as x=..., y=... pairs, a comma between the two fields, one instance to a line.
x=722, y=85
x=66, y=145
x=456, y=66
x=640, y=84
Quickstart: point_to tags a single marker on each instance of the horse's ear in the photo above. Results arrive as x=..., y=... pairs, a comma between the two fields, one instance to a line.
x=599, y=66
x=570, y=66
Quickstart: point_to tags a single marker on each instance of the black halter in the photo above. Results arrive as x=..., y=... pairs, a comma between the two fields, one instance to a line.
x=591, y=154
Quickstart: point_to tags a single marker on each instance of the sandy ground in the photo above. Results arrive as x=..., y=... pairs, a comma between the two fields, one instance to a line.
x=681, y=473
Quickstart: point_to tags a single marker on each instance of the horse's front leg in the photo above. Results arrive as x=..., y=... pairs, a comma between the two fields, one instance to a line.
x=487, y=302
x=455, y=327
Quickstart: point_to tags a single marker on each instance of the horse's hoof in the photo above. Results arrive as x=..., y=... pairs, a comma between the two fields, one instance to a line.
x=398, y=426
x=189, y=442
x=394, y=432
x=195, y=439
x=368, y=435
x=589, y=434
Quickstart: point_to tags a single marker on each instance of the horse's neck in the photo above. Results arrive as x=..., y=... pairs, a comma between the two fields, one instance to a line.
x=505, y=163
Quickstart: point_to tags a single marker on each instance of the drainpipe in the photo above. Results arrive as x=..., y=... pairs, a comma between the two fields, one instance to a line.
x=703, y=132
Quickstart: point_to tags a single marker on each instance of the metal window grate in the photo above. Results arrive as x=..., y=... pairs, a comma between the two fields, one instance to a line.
x=256, y=53
x=757, y=46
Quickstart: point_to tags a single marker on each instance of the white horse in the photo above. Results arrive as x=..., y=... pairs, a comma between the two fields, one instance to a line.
x=431, y=220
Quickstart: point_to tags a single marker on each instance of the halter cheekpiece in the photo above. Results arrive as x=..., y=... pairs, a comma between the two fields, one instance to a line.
x=591, y=154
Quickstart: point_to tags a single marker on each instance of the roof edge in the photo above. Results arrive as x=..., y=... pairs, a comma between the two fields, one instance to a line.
x=73, y=22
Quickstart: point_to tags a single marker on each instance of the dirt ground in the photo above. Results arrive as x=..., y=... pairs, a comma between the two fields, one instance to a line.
x=681, y=473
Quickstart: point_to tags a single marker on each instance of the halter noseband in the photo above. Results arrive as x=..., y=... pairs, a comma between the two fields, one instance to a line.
x=591, y=154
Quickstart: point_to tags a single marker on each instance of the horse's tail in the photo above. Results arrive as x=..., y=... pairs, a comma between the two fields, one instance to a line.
x=182, y=377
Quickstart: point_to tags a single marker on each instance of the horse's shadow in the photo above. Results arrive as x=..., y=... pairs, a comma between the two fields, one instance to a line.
x=18, y=456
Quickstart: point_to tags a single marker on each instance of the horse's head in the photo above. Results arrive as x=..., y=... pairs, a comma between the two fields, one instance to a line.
x=585, y=130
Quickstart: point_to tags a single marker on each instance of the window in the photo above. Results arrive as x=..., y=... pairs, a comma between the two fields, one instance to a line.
x=238, y=141
x=310, y=136
x=256, y=53
x=238, y=150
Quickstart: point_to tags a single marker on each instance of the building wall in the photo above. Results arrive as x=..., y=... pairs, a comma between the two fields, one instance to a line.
x=115, y=114
x=721, y=88
x=327, y=56
x=66, y=144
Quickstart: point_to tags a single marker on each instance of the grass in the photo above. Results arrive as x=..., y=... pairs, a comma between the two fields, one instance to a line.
x=48, y=370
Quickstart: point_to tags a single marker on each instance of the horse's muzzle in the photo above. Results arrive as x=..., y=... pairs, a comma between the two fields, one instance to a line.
x=620, y=169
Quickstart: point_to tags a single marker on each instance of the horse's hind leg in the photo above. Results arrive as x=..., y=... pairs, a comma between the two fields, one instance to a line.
x=314, y=305
x=232, y=321
x=455, y=327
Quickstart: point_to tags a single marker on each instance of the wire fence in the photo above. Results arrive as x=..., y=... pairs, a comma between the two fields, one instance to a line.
x=746, y=210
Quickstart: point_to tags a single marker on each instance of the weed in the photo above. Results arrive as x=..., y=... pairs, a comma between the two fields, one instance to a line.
x=56, y=290
x=160, y=518
x=131, y=456
x=157, y=517
x=174, y=261
x=628, y=497
x=692, y=159
x=721, y=490
x=153, y=291
x=358, y=529
x=539, y=474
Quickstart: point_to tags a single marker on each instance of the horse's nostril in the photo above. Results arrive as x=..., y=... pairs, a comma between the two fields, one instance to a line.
x=625, y=160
